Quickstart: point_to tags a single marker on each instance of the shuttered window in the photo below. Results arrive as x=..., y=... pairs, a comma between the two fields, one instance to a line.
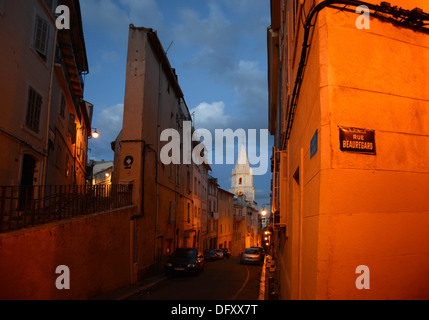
x=41, y=35
x=62, y=106
x=72, y=128
x=1, y=7
x=34, y=107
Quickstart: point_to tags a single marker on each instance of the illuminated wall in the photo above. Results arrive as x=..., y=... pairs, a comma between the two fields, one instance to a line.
x=345, y=208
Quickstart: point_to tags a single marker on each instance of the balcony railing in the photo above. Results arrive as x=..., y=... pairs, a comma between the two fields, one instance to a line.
x=22, y=207
x=237, y=217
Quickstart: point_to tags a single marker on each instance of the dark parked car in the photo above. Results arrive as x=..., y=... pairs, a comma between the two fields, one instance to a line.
x=219, y=253
x=210, y=255
x=251, y=255
x=185, y=260
x=226, y=253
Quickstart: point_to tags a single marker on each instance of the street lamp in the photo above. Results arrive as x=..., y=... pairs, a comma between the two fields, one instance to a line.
x=264, y=211
x=95, y=134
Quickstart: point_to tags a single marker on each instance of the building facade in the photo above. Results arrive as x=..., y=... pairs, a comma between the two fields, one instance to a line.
x=348, y=105
x=170, y=205
x=239, y=229
x=246, y=223
x=212, y=213
x=45, y=121
x=251, y=229
x=225, y=201
x=102, y=172
x=200, y=216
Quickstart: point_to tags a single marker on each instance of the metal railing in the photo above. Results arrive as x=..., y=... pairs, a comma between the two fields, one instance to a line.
x=28, y=206
x=238, y=217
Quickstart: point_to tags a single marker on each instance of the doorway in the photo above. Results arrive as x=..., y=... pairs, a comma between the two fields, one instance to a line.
x=27, y=178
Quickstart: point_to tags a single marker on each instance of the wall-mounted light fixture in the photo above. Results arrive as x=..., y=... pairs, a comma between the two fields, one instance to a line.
x=95, y=134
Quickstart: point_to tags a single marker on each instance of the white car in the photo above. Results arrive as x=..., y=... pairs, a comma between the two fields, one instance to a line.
x=251, y=255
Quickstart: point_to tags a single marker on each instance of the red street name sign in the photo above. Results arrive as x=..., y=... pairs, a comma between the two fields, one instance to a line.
x=357, y=140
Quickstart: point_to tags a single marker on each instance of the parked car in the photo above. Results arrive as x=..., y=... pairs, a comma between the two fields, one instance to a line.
x=226, y=253
x=210, y=255
x=262, y=251
x=185, y=260
x=251, y=255
x=219, y=253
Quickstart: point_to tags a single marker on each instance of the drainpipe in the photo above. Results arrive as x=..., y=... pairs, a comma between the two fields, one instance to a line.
x=48, y=111
x=157, y=164
x=301, y=213
x=142, y=177
x=133, y=260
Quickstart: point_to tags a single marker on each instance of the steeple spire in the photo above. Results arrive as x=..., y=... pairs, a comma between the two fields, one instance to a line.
x=242, y=177
x=242, y=156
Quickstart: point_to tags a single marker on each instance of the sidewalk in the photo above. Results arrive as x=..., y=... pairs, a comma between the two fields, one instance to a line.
x=128, y=291
x=271, y=290
x=263, y=284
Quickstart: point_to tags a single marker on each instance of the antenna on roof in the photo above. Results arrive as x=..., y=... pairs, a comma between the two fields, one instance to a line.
x=168, y=47
x=193, y=118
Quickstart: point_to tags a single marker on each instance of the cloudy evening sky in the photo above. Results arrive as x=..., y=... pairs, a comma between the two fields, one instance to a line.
x=218, y=48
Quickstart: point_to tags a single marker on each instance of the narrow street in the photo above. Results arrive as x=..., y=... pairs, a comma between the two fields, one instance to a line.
x=225, y=279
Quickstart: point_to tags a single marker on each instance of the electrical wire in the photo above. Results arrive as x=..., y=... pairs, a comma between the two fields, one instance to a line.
x=413, y=19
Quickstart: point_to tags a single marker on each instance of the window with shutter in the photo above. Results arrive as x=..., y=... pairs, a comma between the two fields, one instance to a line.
x=62, y=106
x=34, y=107
x=67, y=162
x=72, y=128
x=1, y=7
x=41, y=35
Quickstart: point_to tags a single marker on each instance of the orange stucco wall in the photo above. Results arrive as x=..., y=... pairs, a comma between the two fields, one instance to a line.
x=95, y=248
x=353, y=209
x=374, y=209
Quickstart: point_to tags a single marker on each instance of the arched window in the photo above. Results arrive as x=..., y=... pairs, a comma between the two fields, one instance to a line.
x=240, y=180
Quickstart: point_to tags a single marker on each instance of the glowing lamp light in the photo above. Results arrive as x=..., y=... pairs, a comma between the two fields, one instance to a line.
x=95, y=134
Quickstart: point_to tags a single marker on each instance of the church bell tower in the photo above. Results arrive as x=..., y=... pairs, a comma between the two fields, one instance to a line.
x=242, y=177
